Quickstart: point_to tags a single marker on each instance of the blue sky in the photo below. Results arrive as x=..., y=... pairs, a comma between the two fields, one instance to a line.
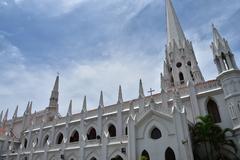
x=97, y=45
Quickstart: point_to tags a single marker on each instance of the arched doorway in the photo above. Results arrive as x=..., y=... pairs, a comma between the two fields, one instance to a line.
x=212, y=109
x=145, y=155
x=169, y=154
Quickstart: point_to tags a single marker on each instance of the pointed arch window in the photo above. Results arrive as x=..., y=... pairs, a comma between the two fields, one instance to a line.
x=213, y=111
x=112, y=130
x=181, y=78
x=225, y=61
x=74, y=136
x=25, y=143
x=93, y=158
x=92, y=134
x=59, y=138
x=145, y=155
x=169, y=154
x=238, y=105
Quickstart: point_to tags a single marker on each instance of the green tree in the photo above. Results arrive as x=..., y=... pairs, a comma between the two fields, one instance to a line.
x=144, y=158
x=210, y=141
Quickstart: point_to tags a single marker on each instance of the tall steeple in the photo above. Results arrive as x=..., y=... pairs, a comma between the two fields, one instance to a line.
x=54, y=95
x=101, y=103
x=174, y=29
x=180, y=65
x=120, y=97
x=223, y=57
x=141, y=91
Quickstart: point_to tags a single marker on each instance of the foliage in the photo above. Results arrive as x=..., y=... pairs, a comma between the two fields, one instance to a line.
x=210, y=141
x=144, y=158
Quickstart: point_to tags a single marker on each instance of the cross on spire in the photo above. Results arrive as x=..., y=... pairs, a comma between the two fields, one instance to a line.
x=151, y=91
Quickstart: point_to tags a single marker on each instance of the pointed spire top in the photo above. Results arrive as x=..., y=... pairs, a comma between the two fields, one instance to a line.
x=141, y=91
x=101, y=104
x=56, y=84
x=5, y=116
x=15, y=113
x=216, y=35
x=1, y=115
x=84, y=106
x=54, y=95
x=69, y=113
x=120, y=97
x=30, y=108
x=174, y=29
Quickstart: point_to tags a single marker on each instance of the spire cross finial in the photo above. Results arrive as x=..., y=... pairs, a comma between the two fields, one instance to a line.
x=151, y=91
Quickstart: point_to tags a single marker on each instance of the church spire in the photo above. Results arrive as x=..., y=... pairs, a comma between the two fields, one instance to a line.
x=69, y=113
x=54, y=95
x=223, y=56
x=174, y=29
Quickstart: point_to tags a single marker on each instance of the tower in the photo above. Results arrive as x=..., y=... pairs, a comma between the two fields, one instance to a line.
x=229, y=76
x=180, y=64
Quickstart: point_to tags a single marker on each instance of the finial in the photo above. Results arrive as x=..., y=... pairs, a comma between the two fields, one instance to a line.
x=70, y=109
x=101, y=100
x=141, y=91
x=15, y=113
x=151, y=91
x=30, y=108
x=120, y=97
x=5, y=116
x=84, y=106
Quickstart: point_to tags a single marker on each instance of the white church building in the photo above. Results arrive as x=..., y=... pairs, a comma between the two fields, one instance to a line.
x=155, y=126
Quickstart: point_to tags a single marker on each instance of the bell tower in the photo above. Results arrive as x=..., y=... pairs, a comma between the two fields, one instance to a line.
x=229, y=76
x=180, y=64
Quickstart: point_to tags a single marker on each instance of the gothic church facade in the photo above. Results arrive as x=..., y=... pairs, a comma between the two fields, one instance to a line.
x=155, y=126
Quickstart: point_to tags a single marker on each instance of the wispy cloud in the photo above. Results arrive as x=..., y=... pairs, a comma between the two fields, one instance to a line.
x=97, y=45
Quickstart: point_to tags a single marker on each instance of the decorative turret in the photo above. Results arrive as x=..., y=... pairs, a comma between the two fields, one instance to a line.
x=5, y=118
x=120, y=97
x=141, y=91
x=101, y=104
x=84, y=106
x=69, y=113
x=223, y=57
x=54, y=95
x=15, y=113
x=229, y=77
x=1, y=115
x=52, y=109
x=180, y=64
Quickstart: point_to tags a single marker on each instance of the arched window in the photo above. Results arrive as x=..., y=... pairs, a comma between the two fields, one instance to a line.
x=156, y=133
x=126, y=130
x=92, y=134
x=59, y=139
x=112, y=130
x=45, y=140
x=74, y=136
x=225, y=61
x=192, y=75
x=117, y=158
x=145, y=155
x=169, y=154
x=93, y=158
x=181, y=78
x=213, y=111
x=25, y=143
